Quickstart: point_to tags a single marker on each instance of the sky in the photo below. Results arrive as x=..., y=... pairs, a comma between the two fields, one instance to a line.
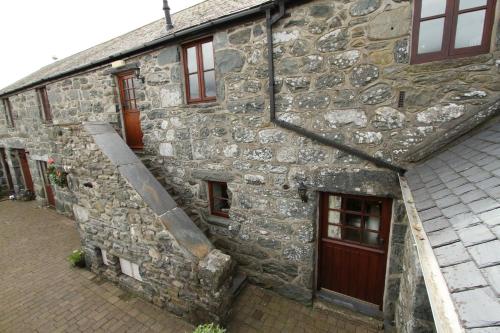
x=34, y=31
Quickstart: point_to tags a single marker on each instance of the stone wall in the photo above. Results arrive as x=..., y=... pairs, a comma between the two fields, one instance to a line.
x=340, y=67
x=413, y=310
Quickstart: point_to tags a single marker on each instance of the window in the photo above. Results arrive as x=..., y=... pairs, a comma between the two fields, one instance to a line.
x=8, y=112
x=451, y=28
x=355, y=219
x=219, y=199
x=199, y=71
x=131, y=269
x=43, y=98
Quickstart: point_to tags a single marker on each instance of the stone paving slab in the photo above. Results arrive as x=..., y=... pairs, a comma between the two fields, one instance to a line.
x=41, y=293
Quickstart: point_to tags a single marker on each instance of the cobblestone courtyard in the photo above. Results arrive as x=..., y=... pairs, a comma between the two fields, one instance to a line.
x=39, y=292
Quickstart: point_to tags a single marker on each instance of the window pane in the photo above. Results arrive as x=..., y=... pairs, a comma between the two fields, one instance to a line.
x=353, y=220
x=352, y=235
x=465, y=4
x=334, y=202
x=334, y=231
x=333, y=216
x=372, y=223
x=354, y=205
x=373, y=208
x=209, y=83
x=432, y=8
x=191, y=60
x=430, y=37
x=208, y=56
x=194, y=89
x=470, y=29
x=221, y=205
x=370, y=238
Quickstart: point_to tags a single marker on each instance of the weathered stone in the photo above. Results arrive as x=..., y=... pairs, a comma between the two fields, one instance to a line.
x=171, y=95
x=346, y=59
x=166, y=149
x=333, y=41
x=345, y=117
x=311, y=156
x=343, y=99
x=240, y=37
x=297, y=83
x=440, y=114
x=271, y=136
x=401, y=55
x=390, y=24
x=312, y=101
x=228, y=61
x=363, y=74
x=364, y=7
x=289, y=66
x=168, y=55
x=250, y=106
x=285, y=36
x=368, y=137
x=313, y=63
x=387, y=118
x=376, y=94
x=321, y=10
x=329, y=80
x=243, y=134
x=299, y=48
x=260, y=154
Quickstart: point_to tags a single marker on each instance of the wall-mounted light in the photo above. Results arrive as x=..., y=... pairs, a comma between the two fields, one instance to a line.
x=302, y=189
x=138, y=75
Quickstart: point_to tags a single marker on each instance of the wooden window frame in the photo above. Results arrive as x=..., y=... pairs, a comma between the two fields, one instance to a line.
x=448, y=50
x=212, y=198
x=43, y=98
x=126, y=103
x=7, y=105
x=385, y=216
x=201, y=70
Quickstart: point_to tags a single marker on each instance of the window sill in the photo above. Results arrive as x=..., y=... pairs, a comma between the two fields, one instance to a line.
x=219, y=221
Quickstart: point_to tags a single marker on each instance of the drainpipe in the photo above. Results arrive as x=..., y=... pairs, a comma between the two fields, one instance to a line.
x=270, y=20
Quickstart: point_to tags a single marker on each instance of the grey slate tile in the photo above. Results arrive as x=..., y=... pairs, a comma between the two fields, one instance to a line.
x=495, y=329
x=430, y=214
x=442, y=237
x=436, y=224
x=451, y=254
x=441, y=194
x=115, y=149
x=463, y=276
x=463, y=189
x=473, y=196
x=464, y=220
x=475, y=235
x=496, y=231
x=491, y=217
x=484, y=205
x=447, y=201
x=477, y=307
x=426, y=204
x=493, y=165
x=488, y=183
x=486, y=254
x=492, y=274
x=456, y=183
x=455, y=210
x=494, y=192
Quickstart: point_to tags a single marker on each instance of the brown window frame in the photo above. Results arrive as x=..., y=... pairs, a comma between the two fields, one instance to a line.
x=46, y=111
x=7, y=105
x=212, y=199
x=384, y=222
x=201, y=80
x=126, y=83
x=448, y=50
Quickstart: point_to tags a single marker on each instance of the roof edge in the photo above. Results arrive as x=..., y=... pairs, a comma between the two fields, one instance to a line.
x=147, y=46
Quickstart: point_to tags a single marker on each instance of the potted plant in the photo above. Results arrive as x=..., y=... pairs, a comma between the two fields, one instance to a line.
x=209, y=328
x=77, y=258
x=57, y=176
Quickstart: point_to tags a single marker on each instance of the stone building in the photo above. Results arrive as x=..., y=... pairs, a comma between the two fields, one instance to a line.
x=268, y=141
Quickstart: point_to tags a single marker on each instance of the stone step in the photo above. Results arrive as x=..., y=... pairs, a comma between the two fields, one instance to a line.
x=239, y=282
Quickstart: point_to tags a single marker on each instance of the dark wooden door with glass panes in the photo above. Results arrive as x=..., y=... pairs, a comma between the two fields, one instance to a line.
x=353, y=245
x=131, y=114
x=28, y=181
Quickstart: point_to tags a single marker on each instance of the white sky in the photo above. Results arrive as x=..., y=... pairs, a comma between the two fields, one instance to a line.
x=33, y=31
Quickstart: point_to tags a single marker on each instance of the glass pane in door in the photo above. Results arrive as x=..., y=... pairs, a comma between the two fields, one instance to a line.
x=470, y=29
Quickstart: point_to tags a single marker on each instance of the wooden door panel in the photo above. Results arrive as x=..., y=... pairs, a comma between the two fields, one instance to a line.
x=133, y=128
x=50, y=195
x=130, y=112
x=26, y=170
x=353, y=268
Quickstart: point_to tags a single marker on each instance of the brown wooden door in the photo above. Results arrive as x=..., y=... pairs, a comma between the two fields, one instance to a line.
x=46, y=183
x=3, y=161
x=131, y=115
x=353, y=245
x=28, y=181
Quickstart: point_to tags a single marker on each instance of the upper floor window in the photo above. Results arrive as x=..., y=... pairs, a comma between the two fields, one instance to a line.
x=46, y=112
x=219, y=199
x=199, y=71
x=451, y=28
x=8, y=112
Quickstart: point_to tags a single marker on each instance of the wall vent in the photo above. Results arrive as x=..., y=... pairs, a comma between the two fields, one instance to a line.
x=401, y=100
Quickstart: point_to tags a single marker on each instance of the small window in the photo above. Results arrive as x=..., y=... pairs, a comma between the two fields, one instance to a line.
x=219, y=199
x=451, y=28
x=355, y=219
x=8, y=112
x=199, y=71
x=104, y=255
x=43, y=99
x=131, y=269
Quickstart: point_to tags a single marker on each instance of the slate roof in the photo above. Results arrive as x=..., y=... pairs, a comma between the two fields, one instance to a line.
x=187, y=18
x=457, y=195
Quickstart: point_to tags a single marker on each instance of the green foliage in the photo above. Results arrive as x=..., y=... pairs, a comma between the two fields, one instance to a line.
x=209, y=328
x=57, y=176
x=77, y=258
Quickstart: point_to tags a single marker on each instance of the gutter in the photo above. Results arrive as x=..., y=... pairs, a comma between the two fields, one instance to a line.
x=270, y=20
x=146, y=46
x=443, y=310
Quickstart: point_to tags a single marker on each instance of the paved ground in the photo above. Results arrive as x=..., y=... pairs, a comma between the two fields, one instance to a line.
x=39, y=292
